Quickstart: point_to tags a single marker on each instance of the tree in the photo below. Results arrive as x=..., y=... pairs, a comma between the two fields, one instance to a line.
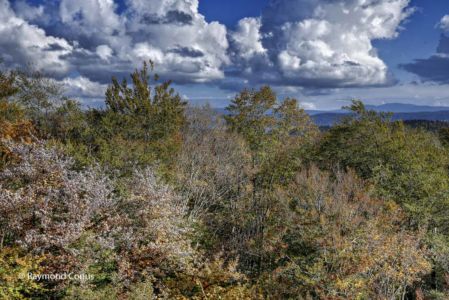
x=337, y=241
x=7, y=85
x=408, y=166
x=13, y=122
x=15, y=267
x=140, y=126
x=267, y=124
x=145, y=119
x=213, y=168
x=160, y=110
x=278, y=135
x=39, y=96
x=249, y=115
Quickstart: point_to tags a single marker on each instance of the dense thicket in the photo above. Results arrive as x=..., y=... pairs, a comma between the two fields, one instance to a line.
x=158, y=200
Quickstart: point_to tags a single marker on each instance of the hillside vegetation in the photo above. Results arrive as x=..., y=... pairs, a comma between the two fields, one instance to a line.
x=150, y=198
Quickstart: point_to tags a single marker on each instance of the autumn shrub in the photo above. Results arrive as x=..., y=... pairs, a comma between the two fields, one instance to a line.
x=15, y=267
x=81, y=223
x=406, y=165
x=341, y=243
x=48, y=207
x=13, y=126
x=409, y=166
x=213, y=176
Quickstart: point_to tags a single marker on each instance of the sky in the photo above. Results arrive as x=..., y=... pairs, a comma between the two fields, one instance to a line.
x=322, y=52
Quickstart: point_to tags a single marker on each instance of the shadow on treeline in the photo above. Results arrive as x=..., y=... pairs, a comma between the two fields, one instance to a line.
x=153, y=199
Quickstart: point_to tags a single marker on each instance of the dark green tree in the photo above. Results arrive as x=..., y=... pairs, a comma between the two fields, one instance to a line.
x=144, y=118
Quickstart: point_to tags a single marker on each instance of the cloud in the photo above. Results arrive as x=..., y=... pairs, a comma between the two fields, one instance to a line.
x=312, y=44
x=247, y=39
x=444, y=23
x=308, y=105
x=435, y=68
x=22, y=43
x=95, y=19
x=82, y=87
x=104, y=52
x=418, y=94
x=106, y=42
x=172, y=33
x=28, y=12
x=320, y=44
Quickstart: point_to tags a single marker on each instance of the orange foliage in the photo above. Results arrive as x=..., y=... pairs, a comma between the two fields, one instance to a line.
x=13, y=127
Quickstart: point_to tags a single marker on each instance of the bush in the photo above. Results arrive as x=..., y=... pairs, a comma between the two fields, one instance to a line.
x=15, y=267
x=340, y=242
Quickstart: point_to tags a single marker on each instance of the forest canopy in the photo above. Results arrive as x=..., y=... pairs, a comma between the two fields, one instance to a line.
x=155, y=199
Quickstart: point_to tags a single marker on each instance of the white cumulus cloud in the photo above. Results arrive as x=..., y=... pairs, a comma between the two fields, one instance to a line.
x=312, y=44
x=248, y=38
x=104, y=51
x=22, y=43
x=172, y=33
x=444, y=23
x=82, y=87
x=316, y=43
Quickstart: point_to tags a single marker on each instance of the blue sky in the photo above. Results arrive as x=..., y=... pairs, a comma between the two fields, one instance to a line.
x=230, y=12
x=322, y=52
x=419, y=37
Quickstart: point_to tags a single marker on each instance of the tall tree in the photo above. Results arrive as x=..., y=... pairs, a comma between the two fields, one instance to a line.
x=267, y=124
x=144, y=118
x=277, y=133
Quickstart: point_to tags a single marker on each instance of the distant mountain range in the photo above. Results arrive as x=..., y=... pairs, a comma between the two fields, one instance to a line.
x=329, y=119
x=390, y=107
x=406, y=108
x=400, y=111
